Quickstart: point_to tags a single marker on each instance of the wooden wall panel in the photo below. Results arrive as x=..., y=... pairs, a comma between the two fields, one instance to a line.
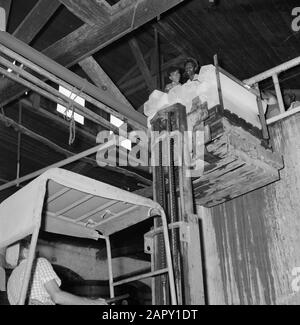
x=252, y=243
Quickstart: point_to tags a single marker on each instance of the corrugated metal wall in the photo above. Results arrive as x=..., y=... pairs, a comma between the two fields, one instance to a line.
x=252, y=243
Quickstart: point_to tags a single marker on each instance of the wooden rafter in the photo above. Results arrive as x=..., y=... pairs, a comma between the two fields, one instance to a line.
x=36, y=20
x=140, y=60
x=92, y=12
x=94, y=71
x=87, y=39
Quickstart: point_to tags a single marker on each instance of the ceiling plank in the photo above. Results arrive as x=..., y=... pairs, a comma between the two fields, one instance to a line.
x=94, y=71
x=87, y=39
x=136, y=51
x=36, y=20
x=92, y=12
x=168, y=32
x=6, y=5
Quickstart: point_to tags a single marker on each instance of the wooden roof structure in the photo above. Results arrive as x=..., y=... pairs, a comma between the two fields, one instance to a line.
x=115, y=44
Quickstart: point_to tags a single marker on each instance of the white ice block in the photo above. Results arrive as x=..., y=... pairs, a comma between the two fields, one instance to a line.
x=236, y=98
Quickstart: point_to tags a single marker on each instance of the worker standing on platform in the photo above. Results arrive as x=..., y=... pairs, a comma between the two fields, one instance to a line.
x=191, y=67
x=175, y=76
x=44, y=287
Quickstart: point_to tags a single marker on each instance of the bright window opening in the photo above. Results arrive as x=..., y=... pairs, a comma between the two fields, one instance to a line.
x=63, y=110
x=117, y=122
x=9, y=69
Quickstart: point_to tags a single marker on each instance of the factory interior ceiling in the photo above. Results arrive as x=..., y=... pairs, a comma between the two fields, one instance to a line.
x=248, y=36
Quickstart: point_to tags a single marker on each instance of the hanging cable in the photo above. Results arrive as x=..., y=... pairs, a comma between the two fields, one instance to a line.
x=72, y=125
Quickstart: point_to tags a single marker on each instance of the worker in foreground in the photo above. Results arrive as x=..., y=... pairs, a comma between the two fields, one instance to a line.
x=44, y=286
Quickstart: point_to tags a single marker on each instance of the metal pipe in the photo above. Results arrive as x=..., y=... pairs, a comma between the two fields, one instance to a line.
x=110, y=270
x=64, y=84
x=216, y=63
x=141, y=276
x=118, y=298
x=19, y=143
x=168, y=257
x=283, y=115
x=56, y=165
x=70, y=77
x=53, y=94
x=269, y=73
x=262, y=118
x=29, y=264
x=278, y=93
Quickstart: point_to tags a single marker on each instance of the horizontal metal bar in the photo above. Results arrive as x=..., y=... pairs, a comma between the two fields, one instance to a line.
x=142, y=276
x=58, y=194
x=158, y=230
x=53, y=94
x=73, y=205
x=269, y=73
x=42, y=60
x=76, y=91
x=118, y=298
x=283, y=115
x=90, y=213
x=56, y=165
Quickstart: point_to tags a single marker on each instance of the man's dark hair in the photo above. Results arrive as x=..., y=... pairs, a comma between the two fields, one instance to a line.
x=173, y=69
x=193, y=61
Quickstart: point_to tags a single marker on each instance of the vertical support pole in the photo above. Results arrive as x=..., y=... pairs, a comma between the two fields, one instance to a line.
x=278, y=93
x=157, y=59
x=262, y=118
x=191, y=247
x=19, y=144
x=110, y=270
x=216, y=63
x=29, y=264
x=169, y=258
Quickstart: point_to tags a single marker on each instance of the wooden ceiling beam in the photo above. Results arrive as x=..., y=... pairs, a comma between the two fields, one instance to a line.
x=87, y=39
x=36, y=20
x=141, y=63
x=92, y=12
x=99, y=77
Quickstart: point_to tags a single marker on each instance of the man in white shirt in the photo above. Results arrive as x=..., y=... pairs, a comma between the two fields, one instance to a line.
x=44, y=285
